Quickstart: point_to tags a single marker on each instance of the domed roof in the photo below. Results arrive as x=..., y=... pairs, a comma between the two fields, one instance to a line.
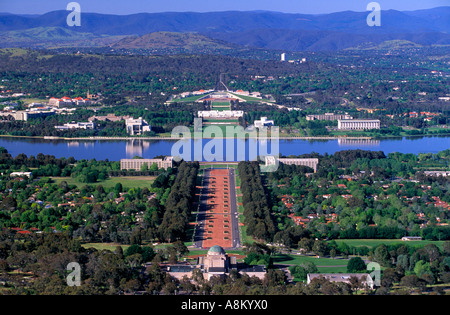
x=216, y=250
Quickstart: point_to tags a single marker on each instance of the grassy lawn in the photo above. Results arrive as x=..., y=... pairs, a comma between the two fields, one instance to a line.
x=127, y=182
x=189, y=98
x=104, y=246
x=213, y=103
x=220, y=109
x=250, y=99
x=325, y=265
x=375, y=242
x=28, y=101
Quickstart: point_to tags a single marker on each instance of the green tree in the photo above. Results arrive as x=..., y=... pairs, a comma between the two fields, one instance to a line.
x=381, y=255
x=9, y=203
x=298, y=272
x=422, y=268
x=356, y=264
x=154, y=167
x=118, y=188
x=320, y=248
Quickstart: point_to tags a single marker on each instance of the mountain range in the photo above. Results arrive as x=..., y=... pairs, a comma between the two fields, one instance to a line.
x=256, y=29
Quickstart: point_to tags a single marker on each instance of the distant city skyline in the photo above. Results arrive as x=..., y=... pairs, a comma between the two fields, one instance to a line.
x=286, y=6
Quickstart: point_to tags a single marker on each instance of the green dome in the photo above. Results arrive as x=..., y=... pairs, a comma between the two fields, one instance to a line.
x=216, y=250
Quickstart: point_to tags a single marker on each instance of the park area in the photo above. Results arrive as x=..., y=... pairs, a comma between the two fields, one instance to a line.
x=127, y=182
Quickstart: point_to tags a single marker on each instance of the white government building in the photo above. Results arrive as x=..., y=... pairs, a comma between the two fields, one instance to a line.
x=137, y=127
x=271, y=160
x=358, y=124
x=136, y=164
x=216, y=263
x=221, y=114
x=263, y=123
x=77, y=125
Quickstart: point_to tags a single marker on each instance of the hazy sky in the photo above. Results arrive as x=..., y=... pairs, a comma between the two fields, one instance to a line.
x=290, y=6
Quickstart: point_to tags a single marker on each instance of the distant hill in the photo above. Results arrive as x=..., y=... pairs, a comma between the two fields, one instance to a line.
x=171, y=40
x=432, y=20
x=51, y=36
x=388, y=45
x=261, y=29
x=306, y=40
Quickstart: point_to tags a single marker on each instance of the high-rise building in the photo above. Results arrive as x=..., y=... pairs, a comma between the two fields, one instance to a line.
x=283, y=57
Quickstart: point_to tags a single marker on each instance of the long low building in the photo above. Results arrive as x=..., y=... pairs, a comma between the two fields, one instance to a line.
x=437, y=173
x=358, y=124
x=136, y=164
x=77, y=125
x=271, y=160
x=26, y=115
x=225, y=114
x=329, y=116
x=364, y=278
x=305, y=162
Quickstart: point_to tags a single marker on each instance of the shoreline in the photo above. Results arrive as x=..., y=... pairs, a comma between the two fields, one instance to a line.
x=176, y=139
x=166, y=138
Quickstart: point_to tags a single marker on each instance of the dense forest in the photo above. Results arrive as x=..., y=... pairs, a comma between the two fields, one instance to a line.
x=257, y=214
x=179, y=203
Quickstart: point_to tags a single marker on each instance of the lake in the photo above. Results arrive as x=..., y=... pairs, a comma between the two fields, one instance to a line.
x=114, y=150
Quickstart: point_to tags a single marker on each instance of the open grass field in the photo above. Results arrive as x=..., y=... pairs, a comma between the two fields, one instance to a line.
x=220, y=103
x=28, y=101
x=375, y=242
x=104, y=246
x=323, y=264
x=220, y=108
x=188, y=99
x=127, y=182
x=251, y=99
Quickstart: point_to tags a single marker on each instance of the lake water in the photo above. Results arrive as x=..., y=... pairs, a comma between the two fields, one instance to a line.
x=114, y=150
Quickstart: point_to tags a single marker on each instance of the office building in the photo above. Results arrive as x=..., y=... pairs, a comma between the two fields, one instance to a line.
x=137, y=127
x=136, y=164
x=358, y=124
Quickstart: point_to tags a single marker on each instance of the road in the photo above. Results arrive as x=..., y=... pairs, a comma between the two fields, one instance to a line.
x=203, y=215
x=234, y=211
